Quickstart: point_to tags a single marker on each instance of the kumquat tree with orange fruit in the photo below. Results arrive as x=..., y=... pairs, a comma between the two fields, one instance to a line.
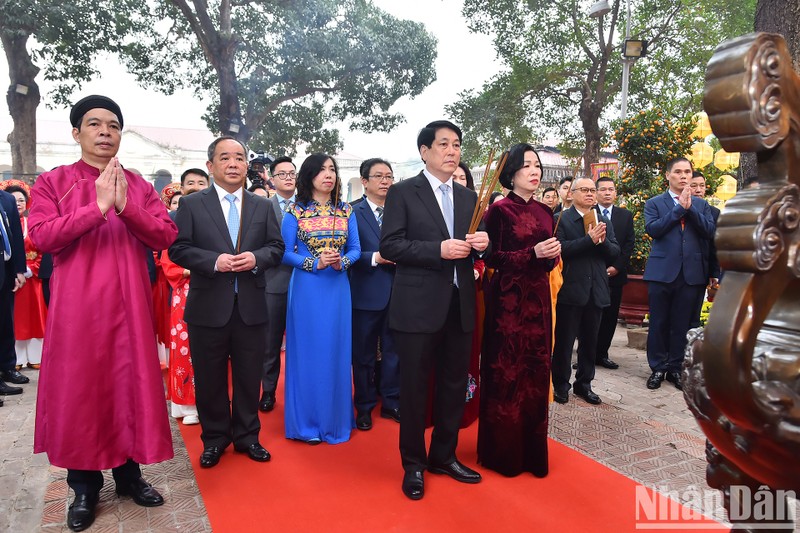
x=645, y=143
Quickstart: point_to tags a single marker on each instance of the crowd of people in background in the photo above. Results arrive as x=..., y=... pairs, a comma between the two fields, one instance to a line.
x=440, y=323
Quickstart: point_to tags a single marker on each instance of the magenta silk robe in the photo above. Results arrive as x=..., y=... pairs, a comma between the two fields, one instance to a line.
x=101, y=396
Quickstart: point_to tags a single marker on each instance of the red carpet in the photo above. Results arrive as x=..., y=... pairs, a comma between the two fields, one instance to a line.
x=355, y=486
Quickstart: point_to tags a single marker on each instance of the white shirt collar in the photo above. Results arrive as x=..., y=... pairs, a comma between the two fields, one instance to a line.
x=221, y=193
x=436, y=182
x=372, y=205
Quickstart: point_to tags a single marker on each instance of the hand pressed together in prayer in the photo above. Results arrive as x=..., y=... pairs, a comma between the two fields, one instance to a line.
x=548, y=249
x=598, y=233
x=380, y=260
x=685, y=199
x=111, y=187
x=236, y=263
x=331, y=258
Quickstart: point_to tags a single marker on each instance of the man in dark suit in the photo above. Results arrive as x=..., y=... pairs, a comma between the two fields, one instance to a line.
x=282, y=171
x=192, y=180
x=698, y=187
x=676, y=271
x=584, y=293
x=564, y=194
x=12, y=278
x=371, y=286
x=227, y=238
x=432, y=309
x=622, y=222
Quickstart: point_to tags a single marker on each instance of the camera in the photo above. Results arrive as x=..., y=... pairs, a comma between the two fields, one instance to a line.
x=259, y=162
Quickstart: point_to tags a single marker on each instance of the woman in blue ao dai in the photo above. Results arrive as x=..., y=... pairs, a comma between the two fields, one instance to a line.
x=321, y=244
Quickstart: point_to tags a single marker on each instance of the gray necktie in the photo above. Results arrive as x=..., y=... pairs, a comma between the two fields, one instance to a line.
x=379, y=210
x=447, y=207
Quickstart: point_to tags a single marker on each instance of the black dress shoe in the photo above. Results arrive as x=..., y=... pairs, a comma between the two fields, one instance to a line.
x=8, y=390
x=414, y=485
x=655, y=379
x=560, y=397
x=675, y=379
x=14, y=376
x=256, y=452
x=267, y=402
x=364, y=421
x=1, y=402
x=456, y=471
x=142, y=493
x=607, y=363
x=574, y=366
x=392, y=414
x=210, y=456
x=589, y=396
x=81, y=511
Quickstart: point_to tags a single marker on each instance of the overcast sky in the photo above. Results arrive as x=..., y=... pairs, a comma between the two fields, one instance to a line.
x=465, y=61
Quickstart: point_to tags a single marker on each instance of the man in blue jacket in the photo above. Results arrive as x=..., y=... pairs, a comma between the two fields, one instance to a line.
x=676, y=270
x=371, y=286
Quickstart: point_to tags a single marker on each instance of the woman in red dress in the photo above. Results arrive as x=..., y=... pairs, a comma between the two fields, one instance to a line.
x=181, y=373
x=30, y=312
x=515, y=366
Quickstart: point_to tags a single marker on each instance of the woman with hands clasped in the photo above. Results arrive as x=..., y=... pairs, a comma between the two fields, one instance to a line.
x=515, y=362
x=322, y=243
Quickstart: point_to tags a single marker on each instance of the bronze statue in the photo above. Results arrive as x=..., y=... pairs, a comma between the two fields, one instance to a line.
x=742, y=373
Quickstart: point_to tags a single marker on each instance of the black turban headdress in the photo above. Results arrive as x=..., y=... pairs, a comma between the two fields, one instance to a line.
x=93, y=102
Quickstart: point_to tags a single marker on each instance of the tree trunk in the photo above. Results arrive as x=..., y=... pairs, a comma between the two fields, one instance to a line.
x=589, y=114
x=22, y=105
x=775, y=16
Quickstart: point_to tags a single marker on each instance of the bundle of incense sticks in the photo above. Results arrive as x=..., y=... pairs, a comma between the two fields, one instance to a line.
x=483, y=196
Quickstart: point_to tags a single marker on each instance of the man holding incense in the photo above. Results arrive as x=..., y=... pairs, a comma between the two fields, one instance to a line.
x=227, y=238
x=101, y=396
x=426, y=232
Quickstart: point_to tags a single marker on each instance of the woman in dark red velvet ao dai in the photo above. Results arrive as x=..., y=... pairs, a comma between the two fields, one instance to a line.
x=515, y=361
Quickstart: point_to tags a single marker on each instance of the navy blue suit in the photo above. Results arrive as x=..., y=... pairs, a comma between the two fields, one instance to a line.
x=9, y=270
x=676, y=272
x=371, y=288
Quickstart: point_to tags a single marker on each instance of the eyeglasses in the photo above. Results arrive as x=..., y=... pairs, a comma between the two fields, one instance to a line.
x=285, y=176
x=381, y=177
x=585, y=190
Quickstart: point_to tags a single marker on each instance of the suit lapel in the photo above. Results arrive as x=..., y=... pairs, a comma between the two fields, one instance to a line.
x=214, y=208
x=426, y=196
x=248, y=209
x=363, y=209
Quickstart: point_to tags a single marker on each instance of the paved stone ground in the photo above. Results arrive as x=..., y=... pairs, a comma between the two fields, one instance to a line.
x=649, y=436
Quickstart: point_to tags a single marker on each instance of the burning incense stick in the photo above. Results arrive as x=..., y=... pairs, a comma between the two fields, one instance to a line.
x=483, y=200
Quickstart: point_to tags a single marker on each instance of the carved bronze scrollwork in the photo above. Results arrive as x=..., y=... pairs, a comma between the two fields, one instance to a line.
x=742, y=373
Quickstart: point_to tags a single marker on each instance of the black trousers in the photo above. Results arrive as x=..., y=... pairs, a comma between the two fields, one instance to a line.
x=368, y=327
x=575, y=322
x=91, y=481
x=608, y=323
x=671, y=309
x=8, y=355
x=244, y=346
x=446, y=353
x=276, y=327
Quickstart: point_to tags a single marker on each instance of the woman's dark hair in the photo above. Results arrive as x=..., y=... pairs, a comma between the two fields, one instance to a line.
x=17, y=188
x=305, y=179
x=494, y=195
x=366, y=166
x=470, y=180
x=253, y=188
x=515, y=161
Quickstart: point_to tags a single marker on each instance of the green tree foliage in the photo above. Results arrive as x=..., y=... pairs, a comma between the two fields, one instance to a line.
x=281, y=69
x=563, y=68
x=647, y=142
x=67, y=37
